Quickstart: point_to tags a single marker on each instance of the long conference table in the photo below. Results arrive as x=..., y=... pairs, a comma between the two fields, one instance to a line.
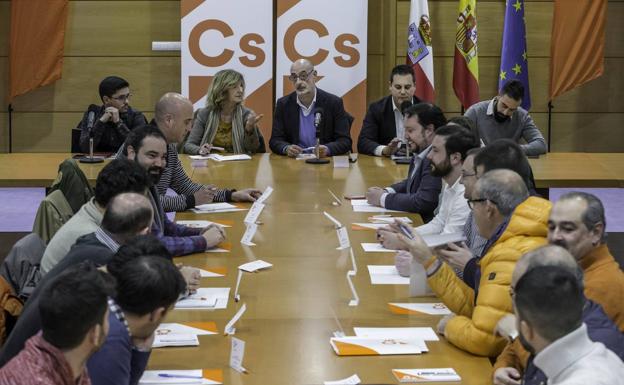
x=294, y=307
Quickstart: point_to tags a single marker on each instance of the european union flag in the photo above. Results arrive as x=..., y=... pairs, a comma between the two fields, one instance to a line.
x=514, y=64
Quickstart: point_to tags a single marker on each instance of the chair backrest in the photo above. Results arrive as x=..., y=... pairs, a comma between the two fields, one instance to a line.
x=21, y=267
x=73, y=183
x=54, y=211
x=75, y=140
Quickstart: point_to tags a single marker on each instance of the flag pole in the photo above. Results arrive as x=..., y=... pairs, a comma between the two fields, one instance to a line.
x=10, y=110
x=550, y=107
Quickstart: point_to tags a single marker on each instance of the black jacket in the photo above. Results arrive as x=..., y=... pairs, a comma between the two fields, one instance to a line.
x=335, y=125
x=109, y=136
x=379, y=127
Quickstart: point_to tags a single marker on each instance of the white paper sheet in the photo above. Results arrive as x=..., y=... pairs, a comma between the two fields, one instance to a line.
x=250, y=232
x=177, y=328
x=265, y=194
x=185, y=377
x=405, y=376
x=200, y=224
x=381, y=345
x=387, y=219
x=353, y=380
x=425, y=334
x=386, y=275
x=215, y=208
x=217, y=250
x=376, y=248
x=161, y=341
x=237, y=355
x=228, y=158
x=305, y=156
x=341, y=161
x=435, y=240
x=372, y=226
x=259, y=264
x=254, y=213
x=343, y=238
x=209, y=274
x=355, y=301
x=373, y=209
x=427, y=308
x=210, y=298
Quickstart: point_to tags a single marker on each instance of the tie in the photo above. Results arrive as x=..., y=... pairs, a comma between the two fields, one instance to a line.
x=417, y=162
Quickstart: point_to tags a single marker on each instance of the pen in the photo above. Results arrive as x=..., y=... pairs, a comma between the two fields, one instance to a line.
x=338, y=200
x=406, y=231
x=167, y=375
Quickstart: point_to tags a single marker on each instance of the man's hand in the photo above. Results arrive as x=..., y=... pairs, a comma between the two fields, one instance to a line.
x=403, y=262
x=205, y=195
x=113, y=114
x=506, y=327
x=373, y=196
x=506, y=376
x=389, y=238
x=252, y=121
x=443, y=322
x=455, y=256
x=323, y=151
x=391, y=148
x=192, y=277
x=416, y=246
x=246, y=195
x=205, y=149
x=213, y=234
x=293, y=150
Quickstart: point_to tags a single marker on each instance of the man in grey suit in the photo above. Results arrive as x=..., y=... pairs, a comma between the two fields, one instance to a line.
x=418, y=193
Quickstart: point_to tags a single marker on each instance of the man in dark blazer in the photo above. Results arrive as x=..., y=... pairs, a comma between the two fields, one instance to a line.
x=383, y=131
x=293, y=119
x=419, y=192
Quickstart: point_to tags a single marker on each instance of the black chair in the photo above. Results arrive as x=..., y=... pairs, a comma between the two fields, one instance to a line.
x=75, y=140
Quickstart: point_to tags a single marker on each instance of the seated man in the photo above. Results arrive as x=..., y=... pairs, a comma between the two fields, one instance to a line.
x=293, y=119
x=383, y=131
x=74, y=325
x=514, y=224
x=448, y=151
x=551, y=327
x=127, y=216
x=147, y=146
x=147, y=289
x=419, y=192
x=173, y=116
x=515, y=360
x=112, y=120
x=119, y=176
x=502, y=117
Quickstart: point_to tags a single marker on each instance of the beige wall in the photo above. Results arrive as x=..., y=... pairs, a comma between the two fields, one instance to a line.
x=114, y=37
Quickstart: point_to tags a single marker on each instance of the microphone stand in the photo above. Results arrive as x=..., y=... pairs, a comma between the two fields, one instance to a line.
x=91, y=159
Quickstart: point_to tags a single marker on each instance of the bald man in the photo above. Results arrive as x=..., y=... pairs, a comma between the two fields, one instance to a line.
x=515, y=365
x=294, y=129
x=173, y=115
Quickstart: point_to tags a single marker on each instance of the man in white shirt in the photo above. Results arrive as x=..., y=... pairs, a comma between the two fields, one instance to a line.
x=449, y=147
x=551, y=328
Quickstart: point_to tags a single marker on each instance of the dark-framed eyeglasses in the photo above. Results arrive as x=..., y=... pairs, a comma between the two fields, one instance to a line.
x=471, y=202
x=122, y=98
x=303, y=76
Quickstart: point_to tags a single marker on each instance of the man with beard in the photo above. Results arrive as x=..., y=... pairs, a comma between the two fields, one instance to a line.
x=147, y=146
x=294, y=118
x=552, y=329
x=599, y=327
x=113, y=120
x=74, y=325
x=577, y=223
x=383, y=131
x=502, y=117
x=419, y=192
x=448, y=151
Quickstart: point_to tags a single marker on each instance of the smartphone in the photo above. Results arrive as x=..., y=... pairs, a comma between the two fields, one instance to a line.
x=355, y=196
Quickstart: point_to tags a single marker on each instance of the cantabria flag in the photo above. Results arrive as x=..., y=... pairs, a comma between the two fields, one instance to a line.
x=419, y=50
x=466, y=64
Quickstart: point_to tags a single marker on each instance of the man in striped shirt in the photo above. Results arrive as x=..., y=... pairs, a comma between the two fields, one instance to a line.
x=174, y=116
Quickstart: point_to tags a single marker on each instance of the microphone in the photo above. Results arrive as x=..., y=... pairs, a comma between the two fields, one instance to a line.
x=404, y=106
x=90, y=123
x=318, y=119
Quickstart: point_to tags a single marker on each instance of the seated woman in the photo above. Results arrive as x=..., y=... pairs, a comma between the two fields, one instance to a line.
x=225, y=122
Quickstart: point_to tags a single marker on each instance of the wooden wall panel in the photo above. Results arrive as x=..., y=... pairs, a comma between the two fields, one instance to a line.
x=4, y=82
x=149, y=78
x=376, y=84
x=4, y=132
x=5, y=26
x=121, y=28
x=45, y=131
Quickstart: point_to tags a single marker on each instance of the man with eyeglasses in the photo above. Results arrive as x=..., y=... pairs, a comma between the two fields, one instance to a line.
x=513, y=223
x=294, y=130
x=113, y=120
x=502, y=117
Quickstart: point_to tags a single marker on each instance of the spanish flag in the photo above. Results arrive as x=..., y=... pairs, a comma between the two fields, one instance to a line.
x=466, y=64
x=36, y=44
